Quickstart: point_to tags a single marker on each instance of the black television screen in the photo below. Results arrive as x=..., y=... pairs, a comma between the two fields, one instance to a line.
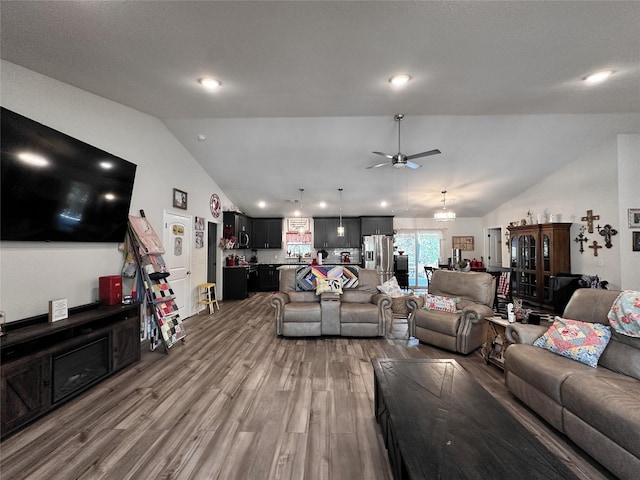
x=58, y=188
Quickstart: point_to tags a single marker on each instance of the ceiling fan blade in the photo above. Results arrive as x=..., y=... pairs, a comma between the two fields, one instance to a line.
x=423, y=154
x=390, y=157
x=379, y=165
x=413, y=165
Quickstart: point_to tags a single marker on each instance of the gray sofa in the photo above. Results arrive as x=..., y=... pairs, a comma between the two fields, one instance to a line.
x=359, y=312
x=465, y=330
x=597, y=408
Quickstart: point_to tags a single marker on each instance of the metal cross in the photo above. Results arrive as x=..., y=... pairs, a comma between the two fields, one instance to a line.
x=581, y=238
x=607, y=232
x=595, y=247
x=589, y=219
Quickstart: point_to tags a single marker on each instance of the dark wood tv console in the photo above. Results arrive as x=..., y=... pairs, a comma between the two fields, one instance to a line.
x=45, y=364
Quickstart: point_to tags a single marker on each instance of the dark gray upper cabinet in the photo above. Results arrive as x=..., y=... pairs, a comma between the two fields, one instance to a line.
x=267, y=233
x=238, y=225
x=325, y=233
x=376, y=225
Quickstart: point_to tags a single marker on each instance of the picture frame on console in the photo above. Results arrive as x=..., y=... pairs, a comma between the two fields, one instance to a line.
x=634, y=218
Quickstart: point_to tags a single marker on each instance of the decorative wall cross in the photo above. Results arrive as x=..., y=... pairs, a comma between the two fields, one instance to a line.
x=581, y=238
x=589, y=219
x=607, y=232
x=595, y=247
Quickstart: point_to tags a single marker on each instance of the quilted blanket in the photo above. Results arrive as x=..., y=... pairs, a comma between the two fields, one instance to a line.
x=306, y=276
x=624, y=315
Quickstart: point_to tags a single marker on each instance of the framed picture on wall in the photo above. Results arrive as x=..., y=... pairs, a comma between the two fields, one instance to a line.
x=636, y=241
x=634, y=217
x=463, y=243
x=179, y=199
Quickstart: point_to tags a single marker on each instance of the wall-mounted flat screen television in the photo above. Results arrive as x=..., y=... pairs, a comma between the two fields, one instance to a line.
x=57, y=188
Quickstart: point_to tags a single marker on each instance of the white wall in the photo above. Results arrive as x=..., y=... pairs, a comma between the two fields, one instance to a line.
x=33, y=273
x=588, y=183
x=628, y=197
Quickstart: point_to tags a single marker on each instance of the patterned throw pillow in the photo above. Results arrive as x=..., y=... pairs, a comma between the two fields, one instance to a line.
x=576, y=340
x=441, y=303
x=391, y=288
x=328, y=285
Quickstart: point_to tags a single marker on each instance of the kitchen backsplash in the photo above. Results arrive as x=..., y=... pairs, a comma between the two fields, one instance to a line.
x=280, y=256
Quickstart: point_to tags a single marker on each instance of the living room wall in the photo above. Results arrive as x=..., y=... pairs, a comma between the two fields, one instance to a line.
x=591, y=182
x=35, y=272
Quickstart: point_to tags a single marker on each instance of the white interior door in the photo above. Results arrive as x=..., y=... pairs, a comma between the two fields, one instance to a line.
x=177, y=246
x=494, y=247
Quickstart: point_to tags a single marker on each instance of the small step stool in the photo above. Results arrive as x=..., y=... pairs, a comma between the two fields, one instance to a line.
x=208, y=297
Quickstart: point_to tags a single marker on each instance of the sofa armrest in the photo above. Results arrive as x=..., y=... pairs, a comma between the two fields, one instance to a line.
x=524, y=333
x=415, y=303
x=476, y=313
x=278, y=300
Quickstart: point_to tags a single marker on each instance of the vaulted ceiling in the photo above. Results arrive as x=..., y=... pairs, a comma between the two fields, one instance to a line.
x=305, y=97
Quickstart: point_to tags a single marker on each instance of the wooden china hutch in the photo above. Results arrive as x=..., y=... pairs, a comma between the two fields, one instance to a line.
x=538, y=252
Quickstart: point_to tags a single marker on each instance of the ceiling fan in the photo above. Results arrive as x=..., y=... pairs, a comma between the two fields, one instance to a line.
x=400, y=160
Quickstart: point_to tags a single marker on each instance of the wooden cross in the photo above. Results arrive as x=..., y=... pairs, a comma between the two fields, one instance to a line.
x=589, y=219
x=607, y=232
x=595, y=247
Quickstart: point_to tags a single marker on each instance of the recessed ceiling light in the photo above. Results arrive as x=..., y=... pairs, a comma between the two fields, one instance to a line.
x=33, y=159
x=210, y=83
x=399, y=79
x=201, y=138
x=262, y=204
x=323, y=204
x=383, y=203
x=597, y=77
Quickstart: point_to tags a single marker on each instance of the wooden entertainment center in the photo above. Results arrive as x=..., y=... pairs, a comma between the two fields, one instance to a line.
x=46, y=364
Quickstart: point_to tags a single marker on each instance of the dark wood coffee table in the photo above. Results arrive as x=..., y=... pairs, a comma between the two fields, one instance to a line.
x=439, y=423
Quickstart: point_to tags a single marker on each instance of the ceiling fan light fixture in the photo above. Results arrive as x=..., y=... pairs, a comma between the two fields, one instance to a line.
x=400, y=79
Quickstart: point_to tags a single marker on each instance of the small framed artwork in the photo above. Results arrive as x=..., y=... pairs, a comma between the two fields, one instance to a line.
x=636, y=241
x=199, y=225
x=58, y=309
x=634, y=217
x=179, y=199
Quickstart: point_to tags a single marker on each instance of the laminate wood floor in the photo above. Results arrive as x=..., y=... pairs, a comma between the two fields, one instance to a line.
x=237, y=402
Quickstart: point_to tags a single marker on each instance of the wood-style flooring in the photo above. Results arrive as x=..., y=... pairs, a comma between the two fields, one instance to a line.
x=237, y=402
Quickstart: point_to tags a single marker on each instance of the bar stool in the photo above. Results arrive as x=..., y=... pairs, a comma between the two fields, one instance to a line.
x=207, y=295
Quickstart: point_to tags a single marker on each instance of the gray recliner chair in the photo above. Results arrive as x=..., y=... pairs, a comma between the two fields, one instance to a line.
x=465, y=330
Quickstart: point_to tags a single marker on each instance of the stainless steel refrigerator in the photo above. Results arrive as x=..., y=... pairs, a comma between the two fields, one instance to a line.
x=377, y=254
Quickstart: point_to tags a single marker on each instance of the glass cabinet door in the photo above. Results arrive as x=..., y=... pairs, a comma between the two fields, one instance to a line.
x=546, y=256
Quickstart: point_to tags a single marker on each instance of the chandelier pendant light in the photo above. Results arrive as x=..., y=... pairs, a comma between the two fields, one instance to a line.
x=444, y=215
x=340, y=226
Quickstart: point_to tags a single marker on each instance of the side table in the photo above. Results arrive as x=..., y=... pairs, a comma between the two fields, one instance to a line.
x=497, y=343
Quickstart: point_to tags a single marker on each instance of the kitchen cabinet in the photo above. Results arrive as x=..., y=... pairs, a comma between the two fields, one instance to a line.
x=268, y=277
x=267, y=233
x=235, y=282
x=325, y=234
x=238, y=225
x=376, y=225
x=538, y=252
